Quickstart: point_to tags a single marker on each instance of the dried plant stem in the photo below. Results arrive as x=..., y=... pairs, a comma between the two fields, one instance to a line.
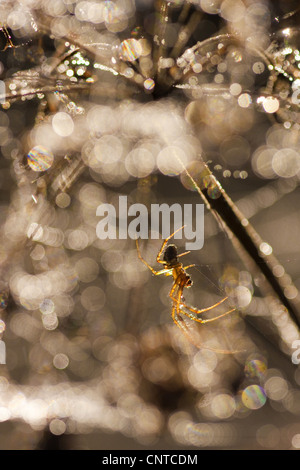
x=244, y=237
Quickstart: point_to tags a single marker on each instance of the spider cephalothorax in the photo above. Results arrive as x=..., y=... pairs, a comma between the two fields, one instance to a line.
x=171, y=255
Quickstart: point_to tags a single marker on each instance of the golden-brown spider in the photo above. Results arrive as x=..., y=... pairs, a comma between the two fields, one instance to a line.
x=172, y=267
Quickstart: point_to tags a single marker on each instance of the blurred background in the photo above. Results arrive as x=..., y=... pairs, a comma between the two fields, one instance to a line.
x=103, y=99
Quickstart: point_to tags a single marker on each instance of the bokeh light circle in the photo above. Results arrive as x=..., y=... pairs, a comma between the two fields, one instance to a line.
x=254, y=397
x=40, y=158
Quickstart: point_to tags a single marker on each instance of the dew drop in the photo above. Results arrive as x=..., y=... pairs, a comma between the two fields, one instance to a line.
x=254, y=397
x=130, y=50
x=149, y=84
x=40, y=159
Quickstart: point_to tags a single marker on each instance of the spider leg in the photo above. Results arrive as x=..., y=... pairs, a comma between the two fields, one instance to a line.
x=167, y=272
x=201, y=320
x=181, y=324
x=171, y=294
x=185, y=253
x=190, y=266
x=175, y=311
x=196, y=310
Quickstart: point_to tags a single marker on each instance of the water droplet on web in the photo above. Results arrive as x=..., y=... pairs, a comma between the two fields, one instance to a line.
x=47, y=306
x=244, y=100
x=271, y=104
x=256, y=368
x=130, y=50
x=62, y=124
x=149, y=84
x=40, y=159
x=213, y=189
x=258, y=68
x=253, y=397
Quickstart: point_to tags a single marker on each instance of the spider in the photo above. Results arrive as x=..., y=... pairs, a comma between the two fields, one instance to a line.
x=181, y=279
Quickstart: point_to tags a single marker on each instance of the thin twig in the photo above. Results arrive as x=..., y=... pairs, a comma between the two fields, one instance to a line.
x=234, y=223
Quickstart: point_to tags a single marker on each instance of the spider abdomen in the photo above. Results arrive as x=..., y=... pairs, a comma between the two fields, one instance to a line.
x=181, y=277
